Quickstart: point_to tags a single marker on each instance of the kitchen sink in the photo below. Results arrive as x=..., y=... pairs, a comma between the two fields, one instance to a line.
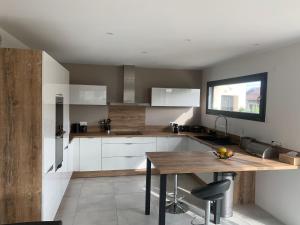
x=127, y=133
x=216, y=140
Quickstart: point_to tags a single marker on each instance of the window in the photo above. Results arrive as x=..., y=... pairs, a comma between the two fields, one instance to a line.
x=241, y=97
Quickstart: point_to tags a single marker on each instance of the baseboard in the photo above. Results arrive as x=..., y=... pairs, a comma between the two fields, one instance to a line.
x=110, y=173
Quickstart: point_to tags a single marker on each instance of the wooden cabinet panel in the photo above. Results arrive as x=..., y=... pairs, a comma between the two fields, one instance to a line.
x=21, y=135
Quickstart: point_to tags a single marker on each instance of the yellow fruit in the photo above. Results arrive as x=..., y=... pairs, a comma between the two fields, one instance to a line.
x=229, y=153
x=222, y=150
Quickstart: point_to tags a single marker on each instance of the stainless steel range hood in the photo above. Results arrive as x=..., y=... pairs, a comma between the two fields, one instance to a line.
x=129, y=88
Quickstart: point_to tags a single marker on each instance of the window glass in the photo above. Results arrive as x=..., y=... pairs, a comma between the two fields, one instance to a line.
x=239, y=97
x=242, y=97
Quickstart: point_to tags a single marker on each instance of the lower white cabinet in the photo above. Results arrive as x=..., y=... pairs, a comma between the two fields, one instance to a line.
x=76, y=154
x=122, y=153
x=193, y=145
x=125, y=162
x=171, y=144
x=90, y=154
x=126, y=152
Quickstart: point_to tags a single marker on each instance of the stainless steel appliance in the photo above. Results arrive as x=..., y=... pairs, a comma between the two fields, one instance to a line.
x=259, y=149
x=59, y=132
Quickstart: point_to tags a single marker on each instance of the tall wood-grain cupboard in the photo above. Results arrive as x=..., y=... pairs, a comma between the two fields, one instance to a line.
x=31, y=188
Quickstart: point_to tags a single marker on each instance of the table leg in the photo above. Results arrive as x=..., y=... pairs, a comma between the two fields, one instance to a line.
x=148, y=188
x=162, y=199
x=217, y=207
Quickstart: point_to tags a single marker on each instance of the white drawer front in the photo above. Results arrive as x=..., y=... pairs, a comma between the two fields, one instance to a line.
x=128, y=149
x=126, y=140
x=123, y=163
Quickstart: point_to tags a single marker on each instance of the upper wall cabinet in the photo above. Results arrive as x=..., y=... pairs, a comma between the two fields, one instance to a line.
x=179, y=97
x=87, y=95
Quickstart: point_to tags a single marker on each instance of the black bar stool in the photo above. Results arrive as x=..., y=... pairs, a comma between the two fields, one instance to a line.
x=38, y=223
x=210, y=193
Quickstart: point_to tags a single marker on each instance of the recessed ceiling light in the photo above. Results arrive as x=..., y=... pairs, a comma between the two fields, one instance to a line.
x=109, y=33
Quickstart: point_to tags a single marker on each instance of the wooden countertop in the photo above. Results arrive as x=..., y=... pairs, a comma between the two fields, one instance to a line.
x=143, y=134
x=205, y=162
x=152, y=134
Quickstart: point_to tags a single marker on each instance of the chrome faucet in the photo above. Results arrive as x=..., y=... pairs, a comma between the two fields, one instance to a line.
x=226, y=123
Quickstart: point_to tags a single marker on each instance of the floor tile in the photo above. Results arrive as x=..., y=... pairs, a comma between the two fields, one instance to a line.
x=101, y=202
x=89, y=189
x=105, y=217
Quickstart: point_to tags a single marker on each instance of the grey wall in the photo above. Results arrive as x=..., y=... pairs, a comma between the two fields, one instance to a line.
x=8, y=41
x=276, y=192
x=146, y=78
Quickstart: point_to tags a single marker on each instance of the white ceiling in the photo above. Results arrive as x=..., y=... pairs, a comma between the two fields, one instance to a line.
x=151, y=33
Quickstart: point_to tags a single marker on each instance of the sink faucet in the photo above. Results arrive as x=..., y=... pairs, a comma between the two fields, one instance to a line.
x=226, y=123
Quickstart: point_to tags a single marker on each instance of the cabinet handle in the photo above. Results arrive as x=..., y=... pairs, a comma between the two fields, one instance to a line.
x=128, y=143
x=129, y=156
x=67, y=147
x=50, y=169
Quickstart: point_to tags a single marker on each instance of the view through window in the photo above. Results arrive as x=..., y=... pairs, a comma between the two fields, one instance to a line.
x=243, y=97
x=240, y=97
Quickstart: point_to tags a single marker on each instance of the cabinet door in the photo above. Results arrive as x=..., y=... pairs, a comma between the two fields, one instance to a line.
x=181, y=97
x=123, y=163
x=194, y=145
x=87, y=95
x=171, y=144
x=90, y=154
x=76, y=154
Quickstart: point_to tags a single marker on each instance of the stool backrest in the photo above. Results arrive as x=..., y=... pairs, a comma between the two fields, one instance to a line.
x=218, y=187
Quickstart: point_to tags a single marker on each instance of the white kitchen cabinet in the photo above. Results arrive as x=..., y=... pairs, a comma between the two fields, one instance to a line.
x=88, y=95
x=180, y=97
x=127, y=149
x=55, y=82
x=131, y=140
x=171, y=144
x=120, y=153
x=76, y=154
x=194, y=145
x=90, y=154
x=122, y=163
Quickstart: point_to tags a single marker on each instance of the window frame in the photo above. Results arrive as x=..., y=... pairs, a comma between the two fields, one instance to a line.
x=261, y=117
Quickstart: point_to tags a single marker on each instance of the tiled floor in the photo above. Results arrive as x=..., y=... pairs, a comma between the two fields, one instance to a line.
x=120, y=201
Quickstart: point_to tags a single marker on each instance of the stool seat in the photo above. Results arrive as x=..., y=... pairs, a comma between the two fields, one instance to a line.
x=214, y=197
x=211, y=189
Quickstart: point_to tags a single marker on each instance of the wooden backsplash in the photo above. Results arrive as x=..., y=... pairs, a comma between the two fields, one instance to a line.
x=127, y=117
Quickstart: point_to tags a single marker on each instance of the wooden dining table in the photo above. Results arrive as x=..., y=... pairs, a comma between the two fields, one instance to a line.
x=167, y=163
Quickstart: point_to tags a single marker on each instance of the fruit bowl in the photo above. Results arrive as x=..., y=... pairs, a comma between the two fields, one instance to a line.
x=223, y=153
x=222, y=156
